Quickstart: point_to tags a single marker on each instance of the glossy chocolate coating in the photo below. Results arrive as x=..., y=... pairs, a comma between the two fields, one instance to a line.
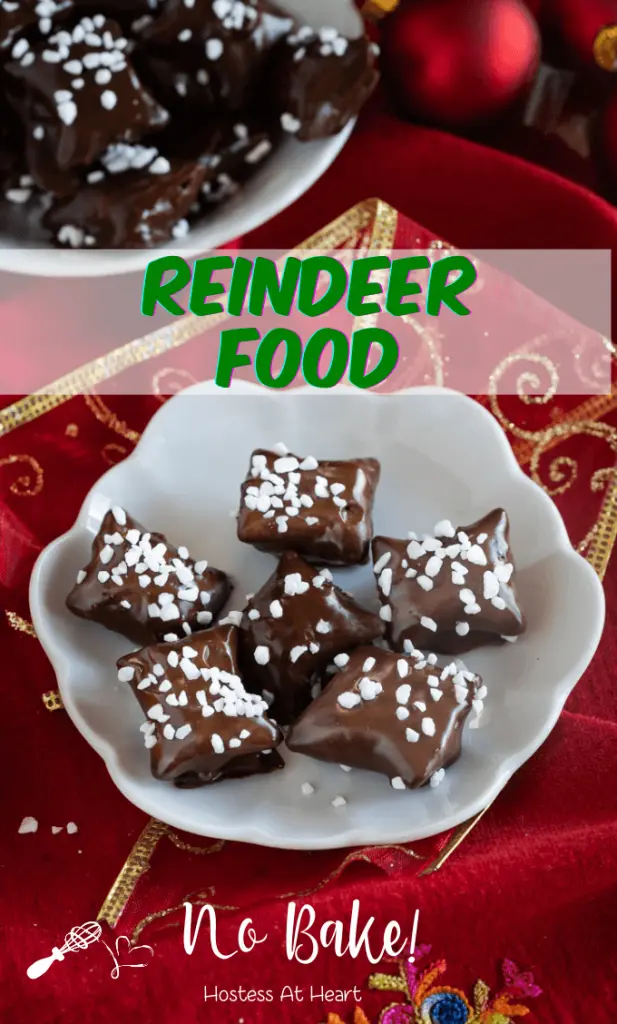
x=303, y=621
x=130, y=210
x=322, y=81
x=471, y=555
x=193, y=687
x=230, y=150
x=244, y=144
x=97, y=101
x=331, y=505
x=19, y=16
x=228, y=40
x=153, y=576
x=386, y=731
x=85, y=77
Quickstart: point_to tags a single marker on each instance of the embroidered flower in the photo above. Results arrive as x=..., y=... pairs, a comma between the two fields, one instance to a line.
x=431, y=1003
x=359, y=1017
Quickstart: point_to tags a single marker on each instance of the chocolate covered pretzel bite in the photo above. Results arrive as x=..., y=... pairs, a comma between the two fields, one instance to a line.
x=400, y=716
x=140, y=585
x=452, y=591
x=201, y=724
x=320, y=509
x=291, y=630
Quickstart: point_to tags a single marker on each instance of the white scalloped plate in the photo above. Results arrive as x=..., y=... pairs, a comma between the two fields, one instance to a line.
x=442, y=455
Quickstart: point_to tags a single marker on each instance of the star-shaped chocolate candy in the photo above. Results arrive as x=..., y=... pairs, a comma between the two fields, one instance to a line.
x=293, y=628
x=129, y=210
x=400, y=716
x=140, y=585
x=228, y=41
x=84, y=78
x=201, y=724
x=451, y=591
x=322, y=81
x=322, y=510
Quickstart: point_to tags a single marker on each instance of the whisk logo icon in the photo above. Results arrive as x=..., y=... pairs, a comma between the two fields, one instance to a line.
x=82, y=937
x=77, y=938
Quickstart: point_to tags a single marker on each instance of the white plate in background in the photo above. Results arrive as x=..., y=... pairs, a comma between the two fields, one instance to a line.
x=291, y=170
x=442, y=456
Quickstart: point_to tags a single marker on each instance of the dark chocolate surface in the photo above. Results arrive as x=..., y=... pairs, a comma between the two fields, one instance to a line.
x=228, y=41
x=450, y=592
x=322, y=510
x=140, y=585
x=291, y=630
x=129, y=210
x=82, y=78
x=89, y=89
x=201, y=724
x=19, y=16
x=400, y=716
x=323, y=79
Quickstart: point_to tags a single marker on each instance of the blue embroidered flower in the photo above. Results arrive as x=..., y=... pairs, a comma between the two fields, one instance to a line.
x=445, y=1008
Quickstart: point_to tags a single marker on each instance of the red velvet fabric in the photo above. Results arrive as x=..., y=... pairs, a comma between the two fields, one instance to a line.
x=534, y=882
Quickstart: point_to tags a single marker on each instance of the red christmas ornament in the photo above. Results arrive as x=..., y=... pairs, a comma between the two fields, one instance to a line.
x=457, y=64
x=582, y=33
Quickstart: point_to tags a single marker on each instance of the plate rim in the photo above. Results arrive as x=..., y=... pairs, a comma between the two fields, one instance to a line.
x=349, y=836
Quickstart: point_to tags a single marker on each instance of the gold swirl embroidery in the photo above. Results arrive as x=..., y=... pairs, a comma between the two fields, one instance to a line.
x=204, y=851
x=563, y=470
x=593, y=374
x=528, y=378
x=29, y=484
x=181, y=379
x=113, y=453
x=105, y=415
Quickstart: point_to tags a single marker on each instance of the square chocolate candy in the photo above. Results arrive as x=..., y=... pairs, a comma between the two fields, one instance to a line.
x=451, y=591
x=201, y=724
x=322, y=510
x=400, y=716
x=140, y=585
x=293, y=628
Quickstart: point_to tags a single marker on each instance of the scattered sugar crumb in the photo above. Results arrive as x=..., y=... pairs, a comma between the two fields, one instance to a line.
x=71, y=828
x=28, y=825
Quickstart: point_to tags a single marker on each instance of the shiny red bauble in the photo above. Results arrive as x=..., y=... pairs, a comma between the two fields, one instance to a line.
x=458, y=63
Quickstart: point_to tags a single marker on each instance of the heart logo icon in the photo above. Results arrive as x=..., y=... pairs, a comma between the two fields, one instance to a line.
x=132, y=955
